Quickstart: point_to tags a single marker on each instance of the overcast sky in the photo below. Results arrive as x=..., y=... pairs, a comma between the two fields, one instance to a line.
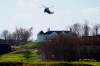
x=29, y=13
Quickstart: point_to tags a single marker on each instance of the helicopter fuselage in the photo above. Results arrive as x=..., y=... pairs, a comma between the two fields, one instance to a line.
x=48, y=11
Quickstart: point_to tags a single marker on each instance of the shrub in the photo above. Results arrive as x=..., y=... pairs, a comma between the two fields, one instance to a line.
x=5, y=48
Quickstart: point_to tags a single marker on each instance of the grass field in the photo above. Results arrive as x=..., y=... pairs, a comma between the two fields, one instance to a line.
x=19, y=56
x=58, y=62
x=88, y=63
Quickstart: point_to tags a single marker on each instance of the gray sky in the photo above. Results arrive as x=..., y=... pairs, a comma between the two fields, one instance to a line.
x=28, y=13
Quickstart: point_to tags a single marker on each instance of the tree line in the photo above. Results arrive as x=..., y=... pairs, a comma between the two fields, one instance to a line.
x=85, y=29
x=19, y=36
x=82, y=43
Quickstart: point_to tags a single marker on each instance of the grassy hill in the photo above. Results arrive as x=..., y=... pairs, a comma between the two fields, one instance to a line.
x=19, y=56
x=32, y=45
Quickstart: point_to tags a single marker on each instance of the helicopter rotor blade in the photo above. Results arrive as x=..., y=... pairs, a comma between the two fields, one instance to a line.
x=43, y=6
x=51, y=6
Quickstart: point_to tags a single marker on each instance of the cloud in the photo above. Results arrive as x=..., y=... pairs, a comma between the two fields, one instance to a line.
x=91, y=11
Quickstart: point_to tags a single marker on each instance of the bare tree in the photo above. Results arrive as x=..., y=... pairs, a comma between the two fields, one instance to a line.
x=61, y=47
x=9, y=36
x=22, y=35
x=5, y=34
x=27, y=54
x=85, y=29
x=96, y=29
x=76, y=28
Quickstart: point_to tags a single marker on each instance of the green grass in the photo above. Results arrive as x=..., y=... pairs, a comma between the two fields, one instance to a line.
x=88, y=63
x=32, y=45
x=18, y=56
x=59, y=62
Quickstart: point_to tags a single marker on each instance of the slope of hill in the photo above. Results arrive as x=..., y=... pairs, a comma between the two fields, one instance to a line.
x=32, y=45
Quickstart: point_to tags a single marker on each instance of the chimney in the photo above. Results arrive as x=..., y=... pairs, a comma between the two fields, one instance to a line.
x=48, y=29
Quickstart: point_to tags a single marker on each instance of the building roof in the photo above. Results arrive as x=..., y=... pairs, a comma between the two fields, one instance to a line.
x=41, y=32
x=49, y=32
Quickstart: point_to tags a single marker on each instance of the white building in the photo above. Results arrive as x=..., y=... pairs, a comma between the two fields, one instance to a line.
x=43, y=36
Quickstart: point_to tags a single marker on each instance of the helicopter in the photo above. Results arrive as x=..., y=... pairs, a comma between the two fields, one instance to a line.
x=47, y=10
